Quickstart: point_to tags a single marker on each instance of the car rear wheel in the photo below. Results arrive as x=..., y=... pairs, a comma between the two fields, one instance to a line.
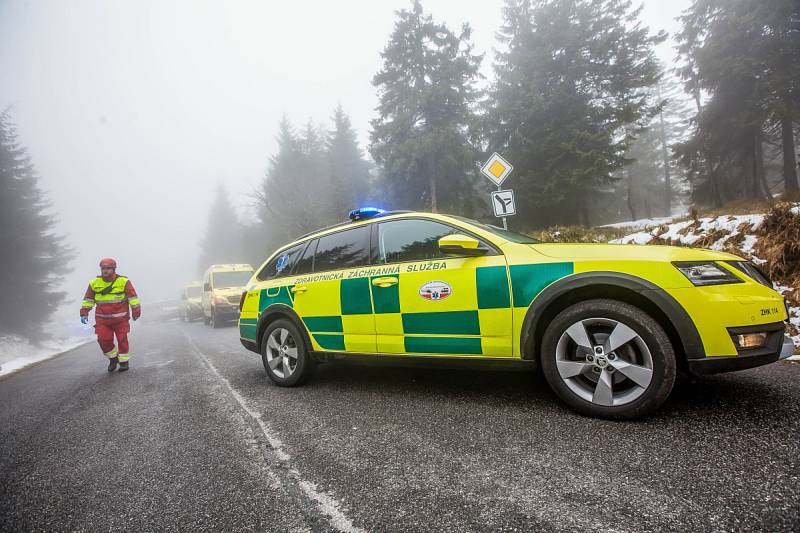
x=608, y=359
x=285, y=355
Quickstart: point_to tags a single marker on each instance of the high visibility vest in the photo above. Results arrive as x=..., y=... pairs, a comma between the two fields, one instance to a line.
x=110, y=298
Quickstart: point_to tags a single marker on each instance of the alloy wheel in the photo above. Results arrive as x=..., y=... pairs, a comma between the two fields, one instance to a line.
x=604, y=361
x=282, y=353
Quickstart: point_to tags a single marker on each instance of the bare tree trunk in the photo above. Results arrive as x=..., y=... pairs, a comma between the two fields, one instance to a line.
x=631, y=207
x=760, y=185
x=715, y=186
x=665, y=157
x=789, y=158
x=433, y=193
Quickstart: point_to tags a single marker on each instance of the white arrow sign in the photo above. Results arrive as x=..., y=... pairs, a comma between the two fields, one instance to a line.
x=503, y=203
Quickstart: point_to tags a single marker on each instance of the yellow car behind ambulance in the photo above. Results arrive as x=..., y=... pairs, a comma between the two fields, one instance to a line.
x=609, y=325
x=222, y=289
x=191, y=306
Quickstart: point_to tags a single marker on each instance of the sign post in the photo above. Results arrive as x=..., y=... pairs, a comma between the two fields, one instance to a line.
x=497, y=169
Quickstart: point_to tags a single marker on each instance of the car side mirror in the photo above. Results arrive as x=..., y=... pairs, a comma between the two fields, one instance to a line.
x=461, y=245
x=206, y=287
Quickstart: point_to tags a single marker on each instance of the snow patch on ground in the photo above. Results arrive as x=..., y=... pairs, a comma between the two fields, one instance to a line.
x=64, y=332
x=17, y=353
x=688, y=232
x=642, y=223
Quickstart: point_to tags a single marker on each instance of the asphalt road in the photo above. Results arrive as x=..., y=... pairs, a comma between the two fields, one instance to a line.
x=195, y=437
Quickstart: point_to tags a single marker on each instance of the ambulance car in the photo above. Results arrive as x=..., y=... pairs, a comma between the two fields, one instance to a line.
x=608, y=325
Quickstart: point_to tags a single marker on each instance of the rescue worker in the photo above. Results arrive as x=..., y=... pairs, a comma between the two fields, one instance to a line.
x=113, y=295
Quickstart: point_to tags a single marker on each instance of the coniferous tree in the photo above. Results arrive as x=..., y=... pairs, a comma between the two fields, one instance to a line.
x=295, y=195
x=34, y=258
x=221, y=243
x=427, y=94
x=348, y=168
x=571, y=92
x=653, y=184
x=743, y=58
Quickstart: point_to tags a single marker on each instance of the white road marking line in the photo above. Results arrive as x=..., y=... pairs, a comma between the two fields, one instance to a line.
x=156, y=363
x=326, y=504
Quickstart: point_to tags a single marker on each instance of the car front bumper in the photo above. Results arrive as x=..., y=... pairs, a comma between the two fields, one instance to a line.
x=226, y=311
x=779, y=346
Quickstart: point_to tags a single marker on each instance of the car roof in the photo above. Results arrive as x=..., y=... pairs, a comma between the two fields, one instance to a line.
x=230, y=268
x=348, y=223
x=390, y=215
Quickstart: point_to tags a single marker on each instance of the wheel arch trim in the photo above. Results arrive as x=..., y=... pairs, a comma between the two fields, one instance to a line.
x=534, y=324
x=275, y=312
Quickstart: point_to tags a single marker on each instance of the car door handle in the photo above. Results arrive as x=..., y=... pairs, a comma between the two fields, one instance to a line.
x=384, y=282
x=299, y=288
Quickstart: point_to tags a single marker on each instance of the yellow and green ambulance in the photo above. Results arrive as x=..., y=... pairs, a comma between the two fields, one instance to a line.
x=222, y=289
x=609, y=325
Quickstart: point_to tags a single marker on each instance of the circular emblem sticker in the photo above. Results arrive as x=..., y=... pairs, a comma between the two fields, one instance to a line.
x=435, y=290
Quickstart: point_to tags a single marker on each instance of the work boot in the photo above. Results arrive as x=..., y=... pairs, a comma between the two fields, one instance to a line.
x=123, y=366
x=112, y=364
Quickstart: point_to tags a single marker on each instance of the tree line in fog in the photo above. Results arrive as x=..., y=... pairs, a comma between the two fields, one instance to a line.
x=597, y=128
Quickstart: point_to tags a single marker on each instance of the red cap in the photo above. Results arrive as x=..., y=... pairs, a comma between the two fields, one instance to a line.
x=107, y=262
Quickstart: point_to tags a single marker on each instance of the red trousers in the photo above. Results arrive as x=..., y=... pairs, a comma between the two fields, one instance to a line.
x=106, y=329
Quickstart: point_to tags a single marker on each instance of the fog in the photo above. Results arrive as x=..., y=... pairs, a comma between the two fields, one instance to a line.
x=133, y=111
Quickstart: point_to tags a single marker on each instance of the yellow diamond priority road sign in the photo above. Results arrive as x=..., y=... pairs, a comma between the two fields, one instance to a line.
x=496, y=169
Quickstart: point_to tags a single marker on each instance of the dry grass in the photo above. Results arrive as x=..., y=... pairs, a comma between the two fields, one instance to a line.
x=779, y=244
x=578, y=234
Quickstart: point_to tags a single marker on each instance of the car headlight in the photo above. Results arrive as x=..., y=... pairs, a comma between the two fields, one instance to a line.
x=752, y=271
x=702, y=273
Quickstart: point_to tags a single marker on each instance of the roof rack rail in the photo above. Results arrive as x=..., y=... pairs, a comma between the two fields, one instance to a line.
x=348, y=222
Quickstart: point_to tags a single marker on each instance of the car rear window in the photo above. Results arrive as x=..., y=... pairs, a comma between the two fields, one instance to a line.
x=343, y=249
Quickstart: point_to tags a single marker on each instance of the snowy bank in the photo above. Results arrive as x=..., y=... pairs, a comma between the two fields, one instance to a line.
x=17, y=353
x=67, y=333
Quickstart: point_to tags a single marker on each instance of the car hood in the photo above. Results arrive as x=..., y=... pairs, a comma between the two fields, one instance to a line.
x=230, y=291
x=630, y=252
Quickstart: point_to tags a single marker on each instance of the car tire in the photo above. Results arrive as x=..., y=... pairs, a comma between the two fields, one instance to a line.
x=206, y=320
x=608, y=359
x=285, y=355
x=215, y=323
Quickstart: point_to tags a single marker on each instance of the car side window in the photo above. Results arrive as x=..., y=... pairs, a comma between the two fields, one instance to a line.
x=343, y=249
x=306, y=263
x=411, y=240
x=282, y=264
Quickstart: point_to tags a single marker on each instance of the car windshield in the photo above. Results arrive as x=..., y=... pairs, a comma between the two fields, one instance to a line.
x=513, y=236
x=238, y=278
x=193, y=292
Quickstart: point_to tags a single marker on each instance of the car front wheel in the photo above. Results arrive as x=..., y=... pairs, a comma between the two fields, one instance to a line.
x=608, y=359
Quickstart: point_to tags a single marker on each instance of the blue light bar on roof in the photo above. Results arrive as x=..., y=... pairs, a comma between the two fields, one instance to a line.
x=364, y=213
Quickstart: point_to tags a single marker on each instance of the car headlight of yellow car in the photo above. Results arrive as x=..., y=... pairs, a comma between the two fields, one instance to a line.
x=702, y=273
